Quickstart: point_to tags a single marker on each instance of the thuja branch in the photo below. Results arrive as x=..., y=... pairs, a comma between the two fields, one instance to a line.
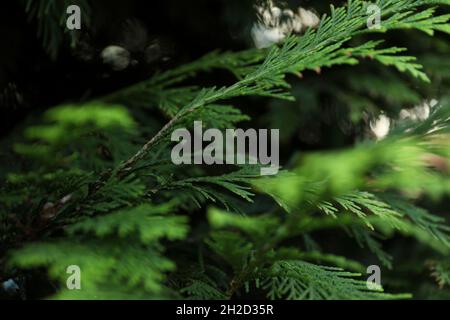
x=235, y=62
x=126, y=166
x=267, y=79
x=205, y=97
x=282, y=232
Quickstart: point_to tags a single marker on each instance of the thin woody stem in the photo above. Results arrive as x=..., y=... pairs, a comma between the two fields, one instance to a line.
x=126, y=166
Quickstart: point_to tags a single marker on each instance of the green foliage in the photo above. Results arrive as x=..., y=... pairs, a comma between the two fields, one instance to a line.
x=97, y=188
x=441, y=272
x=133, y=260
x=298, y=280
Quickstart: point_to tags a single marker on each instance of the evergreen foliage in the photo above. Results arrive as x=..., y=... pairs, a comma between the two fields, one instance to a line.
x=93, y=184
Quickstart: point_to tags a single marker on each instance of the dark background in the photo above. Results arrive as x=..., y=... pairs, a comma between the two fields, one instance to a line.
x=44, y=82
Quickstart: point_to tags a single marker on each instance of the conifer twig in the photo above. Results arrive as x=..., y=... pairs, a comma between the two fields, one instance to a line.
x=126, y=166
